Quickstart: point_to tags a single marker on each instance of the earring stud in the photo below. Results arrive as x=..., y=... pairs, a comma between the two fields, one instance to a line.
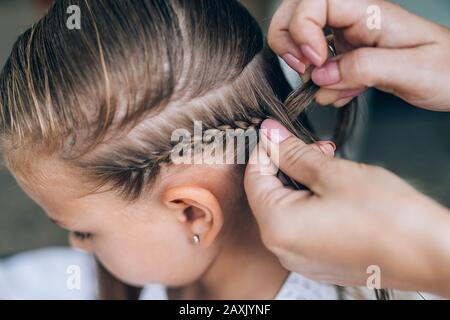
x=196, y=239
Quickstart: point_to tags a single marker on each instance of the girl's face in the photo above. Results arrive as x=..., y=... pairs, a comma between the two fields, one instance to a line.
x=140, y=243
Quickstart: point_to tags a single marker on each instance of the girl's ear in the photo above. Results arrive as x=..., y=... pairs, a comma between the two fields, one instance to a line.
x=198, y=209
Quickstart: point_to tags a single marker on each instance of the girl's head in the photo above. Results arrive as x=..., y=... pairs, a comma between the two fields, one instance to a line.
x=87, y=116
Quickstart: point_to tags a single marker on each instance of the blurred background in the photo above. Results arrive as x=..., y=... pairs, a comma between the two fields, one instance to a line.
x=413, y=143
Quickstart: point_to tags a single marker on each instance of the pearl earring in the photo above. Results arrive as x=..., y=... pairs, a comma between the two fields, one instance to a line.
x=196, y=239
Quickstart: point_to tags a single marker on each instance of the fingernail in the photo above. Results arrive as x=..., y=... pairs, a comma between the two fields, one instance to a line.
x=275, y=131
x=294, y=63
x=351, y=93
x=311, y=54
x=327, y=75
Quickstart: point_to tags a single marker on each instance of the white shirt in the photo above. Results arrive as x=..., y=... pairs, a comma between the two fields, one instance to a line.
x=296, y=287
x=53, y=274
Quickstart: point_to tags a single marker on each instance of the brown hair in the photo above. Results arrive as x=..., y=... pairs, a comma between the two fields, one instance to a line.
x=106, y=98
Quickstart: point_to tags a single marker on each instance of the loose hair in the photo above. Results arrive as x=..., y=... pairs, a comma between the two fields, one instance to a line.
x=106, y=98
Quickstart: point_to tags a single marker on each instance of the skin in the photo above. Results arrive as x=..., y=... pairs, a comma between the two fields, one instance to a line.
x=407, y=56
x=149, y=241
x=363, y=224
x=354, y=217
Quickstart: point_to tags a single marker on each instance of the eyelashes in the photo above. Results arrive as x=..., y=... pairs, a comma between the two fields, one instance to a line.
x=82, y=236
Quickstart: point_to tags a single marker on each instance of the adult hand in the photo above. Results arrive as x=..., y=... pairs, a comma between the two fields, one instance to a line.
x=356, y=216
x=405, y=55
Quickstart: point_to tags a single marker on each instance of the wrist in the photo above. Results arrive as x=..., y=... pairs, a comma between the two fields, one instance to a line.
x=421, y=259
x=441, y=253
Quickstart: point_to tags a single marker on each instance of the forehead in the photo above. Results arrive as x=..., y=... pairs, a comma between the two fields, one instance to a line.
x=49, y=182
x=66, y=195
x=44, y=173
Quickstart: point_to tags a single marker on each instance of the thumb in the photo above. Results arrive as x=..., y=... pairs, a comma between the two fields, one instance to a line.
x=263, y=188
x=386, y=69
x=302, y=162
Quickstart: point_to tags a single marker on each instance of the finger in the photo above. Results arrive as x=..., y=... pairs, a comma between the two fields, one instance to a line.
x=306, y=29
x=278, y=36
x=328, y=148
x=257, y=168
x=342, y=103
x=386, y=69
x=365, y=23
x=326, y=97
x=300, y=161
x=378, y=23
x=263, y=189
x=337, y=98
x=280, y=40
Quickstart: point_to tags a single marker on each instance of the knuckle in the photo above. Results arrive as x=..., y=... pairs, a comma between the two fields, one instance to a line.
x=326, y=169
x=291, y=150
x=360, y=66
x=272, y=39
x=374, y=169
x=340, y=173
x=295, y=22
x=364, y=176
x=297, y=155
x=366, y=171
